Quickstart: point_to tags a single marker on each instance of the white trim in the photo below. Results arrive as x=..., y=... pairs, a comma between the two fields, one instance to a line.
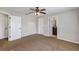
x=68, y=40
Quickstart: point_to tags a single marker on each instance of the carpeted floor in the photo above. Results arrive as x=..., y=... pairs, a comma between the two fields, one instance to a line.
x=38, y=43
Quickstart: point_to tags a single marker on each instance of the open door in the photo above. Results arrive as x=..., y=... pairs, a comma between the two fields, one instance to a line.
x=14, y=28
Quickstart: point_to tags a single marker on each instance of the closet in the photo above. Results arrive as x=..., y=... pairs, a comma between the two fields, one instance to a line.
x=3, y=26
x=10, y=27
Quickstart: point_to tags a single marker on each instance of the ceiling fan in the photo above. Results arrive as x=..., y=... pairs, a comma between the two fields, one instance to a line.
x=37, y=11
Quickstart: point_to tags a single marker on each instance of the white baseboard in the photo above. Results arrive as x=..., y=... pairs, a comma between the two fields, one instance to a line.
x=69, y=40
x=3, y=38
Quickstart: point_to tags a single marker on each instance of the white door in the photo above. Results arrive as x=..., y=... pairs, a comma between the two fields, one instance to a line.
x=40, y=26
x=14, y=28
x=3, y=26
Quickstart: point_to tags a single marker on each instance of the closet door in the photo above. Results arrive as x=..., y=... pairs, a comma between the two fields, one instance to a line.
x=14, y=27
x=3, y=26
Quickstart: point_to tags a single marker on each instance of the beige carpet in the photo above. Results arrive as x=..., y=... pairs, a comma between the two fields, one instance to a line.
x=38, y=43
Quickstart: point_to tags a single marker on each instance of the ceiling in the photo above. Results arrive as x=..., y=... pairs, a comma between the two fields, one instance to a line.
x=25, y=10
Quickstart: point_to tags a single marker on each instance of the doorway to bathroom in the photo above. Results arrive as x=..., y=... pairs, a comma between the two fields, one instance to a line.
x=53, y=26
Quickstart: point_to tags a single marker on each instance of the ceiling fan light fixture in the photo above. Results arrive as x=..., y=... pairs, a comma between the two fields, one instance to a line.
x=37, y=13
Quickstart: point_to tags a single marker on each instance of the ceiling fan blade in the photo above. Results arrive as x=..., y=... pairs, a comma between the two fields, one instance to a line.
x=29, y=13
x=43, y=12
x=43, y=9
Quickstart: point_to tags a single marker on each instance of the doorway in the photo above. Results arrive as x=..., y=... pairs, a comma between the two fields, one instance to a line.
x=10, y=27
x=54, y=29
x=53, y=26
x=3, y=26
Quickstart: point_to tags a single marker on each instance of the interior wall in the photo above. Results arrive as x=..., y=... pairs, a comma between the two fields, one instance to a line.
x=43, y=26
x=28, y=25
x=68, y=26
x=3, y=26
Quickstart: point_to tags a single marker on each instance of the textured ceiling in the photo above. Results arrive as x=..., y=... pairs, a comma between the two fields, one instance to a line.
x=25, y=10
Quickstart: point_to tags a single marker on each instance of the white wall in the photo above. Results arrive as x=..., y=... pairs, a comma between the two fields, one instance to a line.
x=3, y=26
x=68, y=26
x=43, y=26
x=28, y=25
